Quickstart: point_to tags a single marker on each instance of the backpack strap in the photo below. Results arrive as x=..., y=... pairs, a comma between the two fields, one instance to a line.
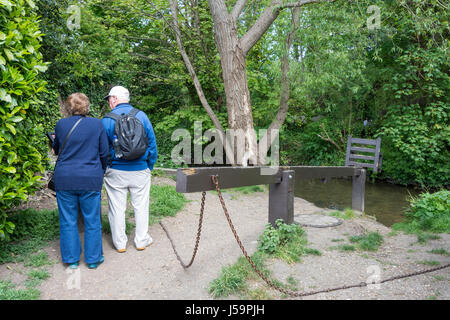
x=133, y=112
x=113, y=115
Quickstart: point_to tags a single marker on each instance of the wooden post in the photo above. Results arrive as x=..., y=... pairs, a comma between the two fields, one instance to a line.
x=358, y=190
x=281, y=199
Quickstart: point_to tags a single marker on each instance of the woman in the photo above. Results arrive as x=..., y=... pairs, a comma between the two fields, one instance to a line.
x=78, y=180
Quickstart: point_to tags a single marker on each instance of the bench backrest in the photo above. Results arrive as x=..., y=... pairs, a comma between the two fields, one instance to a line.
x=364, y=153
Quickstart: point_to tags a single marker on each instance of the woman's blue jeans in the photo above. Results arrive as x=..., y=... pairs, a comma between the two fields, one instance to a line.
x=90, y=204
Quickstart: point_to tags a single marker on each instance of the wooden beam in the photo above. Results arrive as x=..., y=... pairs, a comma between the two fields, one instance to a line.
x=307, y=172
x=199, y=179
x=358, y=190
x=364, y=141
x=361, y=149
x=281, y=199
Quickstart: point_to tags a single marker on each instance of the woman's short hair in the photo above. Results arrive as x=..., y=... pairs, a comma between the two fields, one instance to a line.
x=77, y=104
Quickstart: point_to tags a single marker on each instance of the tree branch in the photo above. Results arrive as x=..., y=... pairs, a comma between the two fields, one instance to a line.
x=238, y=7
x=276, y=124
x=143, y=56
x=328, y=138
x=187, y=62
x=192, y=73
x=267, y=18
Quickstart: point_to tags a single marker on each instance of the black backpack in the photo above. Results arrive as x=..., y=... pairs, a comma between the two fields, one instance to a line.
x=131, y=142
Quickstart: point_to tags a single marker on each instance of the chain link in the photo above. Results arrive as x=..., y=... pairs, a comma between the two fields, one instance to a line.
x=199, y=231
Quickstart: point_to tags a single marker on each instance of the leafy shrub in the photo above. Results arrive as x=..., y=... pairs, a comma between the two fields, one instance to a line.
x=33, y=230
x=20, y=87
x=431, y=211
x=286, y=241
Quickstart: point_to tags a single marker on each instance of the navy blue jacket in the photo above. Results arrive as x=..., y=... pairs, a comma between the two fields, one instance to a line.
x=149, y=158
x=83, y=160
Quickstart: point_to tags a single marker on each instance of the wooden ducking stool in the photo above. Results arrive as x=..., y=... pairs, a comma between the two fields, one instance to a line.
x=281, y=179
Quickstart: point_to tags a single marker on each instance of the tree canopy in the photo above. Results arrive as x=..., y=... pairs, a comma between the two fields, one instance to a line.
x=316, y=70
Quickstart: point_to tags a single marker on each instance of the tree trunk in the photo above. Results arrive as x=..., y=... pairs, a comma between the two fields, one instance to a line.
x=232, y=59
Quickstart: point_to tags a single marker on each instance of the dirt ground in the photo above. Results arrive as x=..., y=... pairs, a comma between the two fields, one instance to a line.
x=155, y=273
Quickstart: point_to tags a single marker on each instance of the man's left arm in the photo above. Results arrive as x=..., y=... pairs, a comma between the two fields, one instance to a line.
x=152, y=147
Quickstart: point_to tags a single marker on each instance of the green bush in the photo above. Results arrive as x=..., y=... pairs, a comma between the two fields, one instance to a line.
x=20, y=86
x=286, y=241
x=431, y=211
x=33, y=230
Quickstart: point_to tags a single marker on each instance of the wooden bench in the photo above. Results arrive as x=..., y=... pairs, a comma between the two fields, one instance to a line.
x=364, y=153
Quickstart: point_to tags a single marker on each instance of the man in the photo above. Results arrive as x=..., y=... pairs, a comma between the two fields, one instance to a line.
x=128, y=175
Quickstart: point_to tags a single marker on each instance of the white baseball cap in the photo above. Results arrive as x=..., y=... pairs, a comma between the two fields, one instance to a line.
x=120, y=92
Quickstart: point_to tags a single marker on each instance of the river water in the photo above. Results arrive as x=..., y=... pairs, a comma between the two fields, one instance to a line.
x=387, y=202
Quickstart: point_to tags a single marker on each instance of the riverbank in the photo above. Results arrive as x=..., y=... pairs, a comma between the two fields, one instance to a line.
x=155, y=273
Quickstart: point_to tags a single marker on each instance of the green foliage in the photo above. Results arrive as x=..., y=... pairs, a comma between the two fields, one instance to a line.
x=38, y=260
x=233, y=278
x=346, y=215
x=9, y=292
x=428, y=212
x=395, y=77
x=285, y=241
x=33, y=230
x=20, y=86
x=414, y=57
x=165, y=201
x=35, y=278
x=369, y=242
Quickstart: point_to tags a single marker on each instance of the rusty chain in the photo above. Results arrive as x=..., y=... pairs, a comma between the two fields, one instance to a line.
x=197, y=240
x=271, y=284
x=215, y=180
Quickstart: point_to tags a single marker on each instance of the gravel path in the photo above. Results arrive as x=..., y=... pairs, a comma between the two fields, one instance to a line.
x=155, y=272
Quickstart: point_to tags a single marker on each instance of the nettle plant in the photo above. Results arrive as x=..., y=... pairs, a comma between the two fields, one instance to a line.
x=20, y=87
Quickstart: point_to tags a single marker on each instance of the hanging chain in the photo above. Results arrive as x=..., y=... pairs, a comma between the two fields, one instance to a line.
x=271, y=284
x=215, y=180
x=199, y=231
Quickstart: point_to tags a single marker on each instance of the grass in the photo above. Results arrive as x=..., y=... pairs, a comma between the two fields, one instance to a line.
x=243, y=190
x=233, y=278
x=34, y=229
x=347, y=214
x=345, y=247
x=36, y=277
x=430, y=263
x=370, y=242
x=38, y=260
x=427, y=215
x=8, y=291
x=441, y=251
x=286, y=242
x=165, y=202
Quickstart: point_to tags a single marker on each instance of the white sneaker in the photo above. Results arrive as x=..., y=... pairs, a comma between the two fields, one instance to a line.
x=148, y=245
